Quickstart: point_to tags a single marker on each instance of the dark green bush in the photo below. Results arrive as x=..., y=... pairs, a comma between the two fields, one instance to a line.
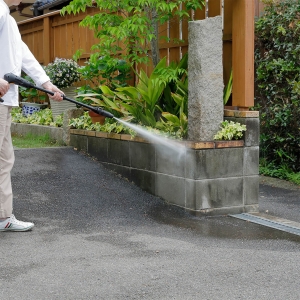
x=277, y=59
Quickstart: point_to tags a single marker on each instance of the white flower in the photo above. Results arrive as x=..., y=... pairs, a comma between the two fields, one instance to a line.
x=63, y=72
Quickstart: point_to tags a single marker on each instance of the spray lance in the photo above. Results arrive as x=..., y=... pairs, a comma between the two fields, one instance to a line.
x=12, y=78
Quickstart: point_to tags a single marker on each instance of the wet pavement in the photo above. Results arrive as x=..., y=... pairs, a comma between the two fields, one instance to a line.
x=98, y=236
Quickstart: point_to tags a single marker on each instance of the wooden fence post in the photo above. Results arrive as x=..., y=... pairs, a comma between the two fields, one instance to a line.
x=243, y=53
x=47, y=41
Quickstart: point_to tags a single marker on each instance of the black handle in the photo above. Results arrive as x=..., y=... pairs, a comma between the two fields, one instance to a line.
x=12, y=78
x=1, y=100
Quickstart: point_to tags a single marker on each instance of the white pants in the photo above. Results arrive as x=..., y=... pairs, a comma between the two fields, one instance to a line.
x=7, y=159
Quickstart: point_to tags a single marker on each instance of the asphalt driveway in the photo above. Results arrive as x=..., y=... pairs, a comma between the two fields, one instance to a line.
x=98, y=236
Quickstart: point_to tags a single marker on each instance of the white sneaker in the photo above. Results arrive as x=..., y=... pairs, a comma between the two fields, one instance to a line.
x=12, y=224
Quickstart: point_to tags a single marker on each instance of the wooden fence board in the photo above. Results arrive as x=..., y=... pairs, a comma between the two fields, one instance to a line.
x=62, y=36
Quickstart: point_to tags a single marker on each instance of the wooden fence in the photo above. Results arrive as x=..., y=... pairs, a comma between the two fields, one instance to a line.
x=53, y=35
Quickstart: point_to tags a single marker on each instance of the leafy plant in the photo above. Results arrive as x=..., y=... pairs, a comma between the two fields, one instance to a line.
x=31, y=94
x=277, y=78
x=99, y=71
x=130, y=28
x=175, y=78
x=42, y=117
x=85, y=122
x=139, y=102
x=282, y=172
x=158, y=101
x=228, y=90
x=63, y=72
x=230, y=131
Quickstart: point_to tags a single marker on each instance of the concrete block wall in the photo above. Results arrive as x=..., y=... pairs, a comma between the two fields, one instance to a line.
x=54, y=133
x=213, y=178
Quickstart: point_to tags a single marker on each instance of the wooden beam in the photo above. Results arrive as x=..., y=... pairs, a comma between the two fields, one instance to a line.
x=243, y=53
x=46, y=41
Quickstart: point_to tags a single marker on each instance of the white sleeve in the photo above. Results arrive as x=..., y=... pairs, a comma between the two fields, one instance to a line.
x=32, y=67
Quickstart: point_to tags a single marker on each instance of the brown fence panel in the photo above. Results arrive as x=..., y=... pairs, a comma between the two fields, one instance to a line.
x=62, y=34
x=53, y=35
x=32, y=35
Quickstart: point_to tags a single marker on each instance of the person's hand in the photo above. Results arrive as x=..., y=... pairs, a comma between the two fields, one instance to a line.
x=53, y=88
x=4, y=87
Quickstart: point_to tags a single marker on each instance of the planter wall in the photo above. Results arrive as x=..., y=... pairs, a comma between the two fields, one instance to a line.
x=213, y=177
x=54, y=133
x=60, y=134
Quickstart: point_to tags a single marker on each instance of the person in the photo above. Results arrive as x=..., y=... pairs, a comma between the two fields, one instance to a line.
x=15, y=56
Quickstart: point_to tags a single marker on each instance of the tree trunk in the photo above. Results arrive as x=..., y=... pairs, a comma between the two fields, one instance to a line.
x=152, y=15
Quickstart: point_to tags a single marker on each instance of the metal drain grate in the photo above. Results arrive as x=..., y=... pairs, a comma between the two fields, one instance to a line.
x=280, y=224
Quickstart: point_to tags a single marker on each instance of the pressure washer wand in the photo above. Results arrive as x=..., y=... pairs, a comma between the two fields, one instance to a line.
x=12, y=78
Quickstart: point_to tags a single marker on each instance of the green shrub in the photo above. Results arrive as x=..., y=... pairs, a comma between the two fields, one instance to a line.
x=31, y=94
x=110, y=125
x=158, y=101
x=101, y=70
x=42, y=117
x=230, y=131
x=277, y=77
x=131, y=28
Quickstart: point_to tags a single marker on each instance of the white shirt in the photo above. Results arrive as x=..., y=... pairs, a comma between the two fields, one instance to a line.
x=16, y=56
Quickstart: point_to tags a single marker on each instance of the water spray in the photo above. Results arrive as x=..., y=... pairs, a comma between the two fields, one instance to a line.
x=12, y=78
x=174, y=147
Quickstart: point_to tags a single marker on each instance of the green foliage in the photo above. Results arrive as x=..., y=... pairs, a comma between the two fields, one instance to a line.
x=104, y=70
x=172, y=125
x=174, y=99
x=31, y=94
x=63, y=72
x=110, y=125
x=42, y=117
x=101, y=70
x=127, y=28
x=228, y=90
x=282, y=172
x=32, y=141
x=278, y=81
x=158, y=101
x=139, y=102
x=230, y=131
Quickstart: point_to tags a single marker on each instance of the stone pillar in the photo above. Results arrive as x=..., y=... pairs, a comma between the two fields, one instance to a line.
x=70, y=114
x=205, y=67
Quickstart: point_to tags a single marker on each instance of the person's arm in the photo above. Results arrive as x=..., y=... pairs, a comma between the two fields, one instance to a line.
x=33, y=69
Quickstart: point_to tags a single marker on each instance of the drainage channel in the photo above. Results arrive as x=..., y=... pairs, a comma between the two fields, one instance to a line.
x=270, y=221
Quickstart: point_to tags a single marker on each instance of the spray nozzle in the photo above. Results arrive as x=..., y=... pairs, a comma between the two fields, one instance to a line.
x=102, y=112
